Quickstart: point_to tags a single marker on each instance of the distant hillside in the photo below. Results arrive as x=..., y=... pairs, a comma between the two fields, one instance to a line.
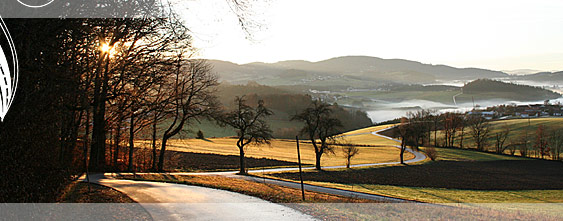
x=521, y=71
x=544, y=77
x=355, y=71
x=284, y=104
x=487, y=89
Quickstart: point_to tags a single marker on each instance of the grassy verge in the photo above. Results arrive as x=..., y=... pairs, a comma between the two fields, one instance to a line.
x=332, y=207
x=459, y=176
x=80, y=192
x=103, y=202
x=273, y=193
x=270, y=192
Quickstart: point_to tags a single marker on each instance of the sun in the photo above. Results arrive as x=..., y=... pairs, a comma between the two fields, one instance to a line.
x=105, y=48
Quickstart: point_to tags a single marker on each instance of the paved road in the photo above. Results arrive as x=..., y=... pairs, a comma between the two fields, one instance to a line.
x=418, y=157
x=167, y=201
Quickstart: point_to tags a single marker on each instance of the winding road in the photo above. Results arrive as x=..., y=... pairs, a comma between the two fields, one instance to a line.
x=455, y=103
x=167, y=201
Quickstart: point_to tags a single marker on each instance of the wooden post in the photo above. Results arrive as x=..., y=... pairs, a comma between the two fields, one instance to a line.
x=300, y=172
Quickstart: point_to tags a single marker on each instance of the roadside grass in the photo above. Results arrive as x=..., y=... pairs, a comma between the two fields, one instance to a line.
x=459, y=176
x=283, y=150
x=366, y=130
x=332, y=207
x=370, y=139
x=270, y=192
x=468, y=175
x=82, y=200
x=81, y=192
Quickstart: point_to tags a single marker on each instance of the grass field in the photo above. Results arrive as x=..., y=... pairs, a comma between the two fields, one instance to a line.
x=364, y=137
x=459, y=176
x=331, y=207
x=285, y=150
x=518, y=129
x=452, y=154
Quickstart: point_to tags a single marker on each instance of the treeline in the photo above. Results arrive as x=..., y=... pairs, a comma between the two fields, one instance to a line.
x=89, y=87
x=517, y=91
x=470, y=131
x=86, y=85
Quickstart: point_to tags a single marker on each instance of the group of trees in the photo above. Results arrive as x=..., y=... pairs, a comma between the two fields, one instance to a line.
x=286, y=103
x=121, y=76
x=320, y=127
x=452, y=130
x=88, y=87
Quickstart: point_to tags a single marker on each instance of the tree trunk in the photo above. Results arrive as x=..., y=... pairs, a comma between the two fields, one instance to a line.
x=86, y=137
x=154, y=143
x=462, y=135
x=402, y=154
x=131, y=142
x=99, y=120
x=403, y=148
x=162, y=151
x=116, y=142
x=318, y=161
x=242, y=163
x=435, y=136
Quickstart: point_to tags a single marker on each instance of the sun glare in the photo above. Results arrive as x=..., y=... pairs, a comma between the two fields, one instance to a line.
x=105, y=48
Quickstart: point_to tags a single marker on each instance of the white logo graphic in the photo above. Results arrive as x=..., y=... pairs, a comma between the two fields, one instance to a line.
x=36, y=5
x=8, y=78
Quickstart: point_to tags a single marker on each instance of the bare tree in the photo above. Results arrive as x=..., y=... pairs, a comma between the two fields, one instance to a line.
x=250, y=124
x=405, y=134
x=350, y=151
x=452, y=122
x=418, y=127
x=556, y=143
x=479, y=131
x=500, y=138
x=436, y=120
x=462, y=125
x=541, y=144
x=192, y=87
x=523, y=146
x=321, y=127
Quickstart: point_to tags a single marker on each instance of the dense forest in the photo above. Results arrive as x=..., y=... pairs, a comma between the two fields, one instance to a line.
x=508, y=90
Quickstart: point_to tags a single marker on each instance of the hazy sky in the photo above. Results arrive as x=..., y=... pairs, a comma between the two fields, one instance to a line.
x=500, y=35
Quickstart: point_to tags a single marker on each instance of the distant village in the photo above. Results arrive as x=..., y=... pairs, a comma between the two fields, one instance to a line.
x=510, y=111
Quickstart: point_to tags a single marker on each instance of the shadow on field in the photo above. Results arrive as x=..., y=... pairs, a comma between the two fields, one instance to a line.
x=476, y=175
x=187, y=161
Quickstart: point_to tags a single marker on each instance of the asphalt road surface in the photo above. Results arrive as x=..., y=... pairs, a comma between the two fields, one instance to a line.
x=168, y=201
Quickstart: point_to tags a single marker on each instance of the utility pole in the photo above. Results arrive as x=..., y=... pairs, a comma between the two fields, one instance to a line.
x=300, y=172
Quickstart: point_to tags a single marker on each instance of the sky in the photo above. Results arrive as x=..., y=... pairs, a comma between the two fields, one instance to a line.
x=492, y=34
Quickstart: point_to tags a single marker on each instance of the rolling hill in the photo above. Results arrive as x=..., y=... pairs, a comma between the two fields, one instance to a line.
x=349, y=70
x=543, y=77
x=485, y=88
